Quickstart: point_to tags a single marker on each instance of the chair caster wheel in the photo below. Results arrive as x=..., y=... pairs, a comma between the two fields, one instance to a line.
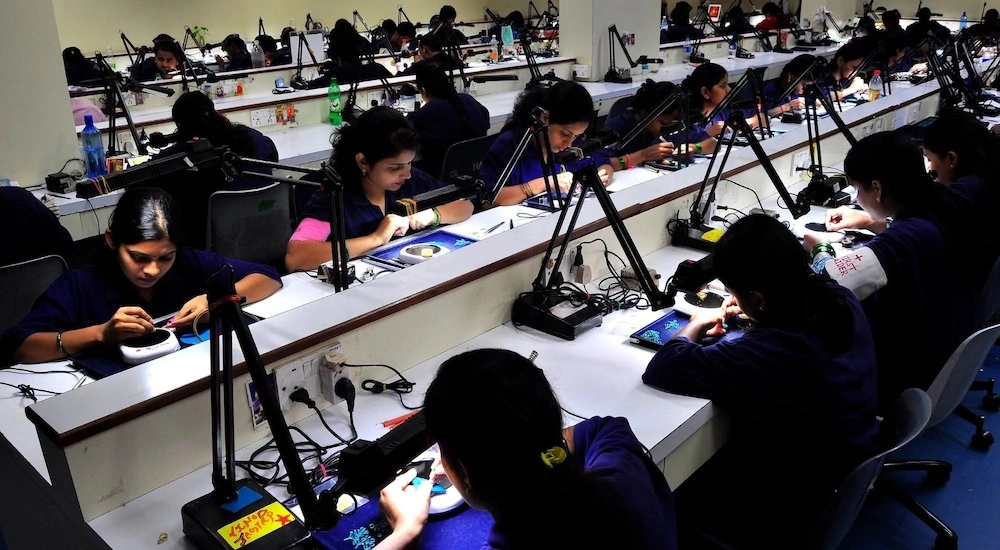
x=982, y=441
x=945, y=543
x=991, y=402
x=937, y=477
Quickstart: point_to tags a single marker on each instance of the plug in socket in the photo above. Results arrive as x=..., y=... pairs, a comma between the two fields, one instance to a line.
x=332, y=370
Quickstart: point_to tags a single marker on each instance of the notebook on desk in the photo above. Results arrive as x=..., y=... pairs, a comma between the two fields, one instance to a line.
x=655, y=334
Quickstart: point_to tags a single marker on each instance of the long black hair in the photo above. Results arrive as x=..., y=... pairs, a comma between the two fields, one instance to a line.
x=379, y=133
x=896, y=162
x=759, y=254
x=432, y=78
x=974, y=145
x=566, y=102
x=795, y=68
x=195, y=116
x=650, y=95
x=498, y=433
x=705, y=75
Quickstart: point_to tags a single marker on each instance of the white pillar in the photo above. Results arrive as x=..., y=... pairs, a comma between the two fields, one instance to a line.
x=37, y=133
x=583, y=31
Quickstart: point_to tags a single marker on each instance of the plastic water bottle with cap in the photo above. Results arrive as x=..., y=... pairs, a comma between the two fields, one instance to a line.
x=875, y=85
x=257, y=55
x=963, y=22
x=93, y=148
x=111, y=60
x=687, y=44
x=336, y=110
x=663, y=22
x=732, y=49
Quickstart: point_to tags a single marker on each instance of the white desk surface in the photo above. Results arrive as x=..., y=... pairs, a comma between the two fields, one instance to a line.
x=597, y=374
x=91, y=403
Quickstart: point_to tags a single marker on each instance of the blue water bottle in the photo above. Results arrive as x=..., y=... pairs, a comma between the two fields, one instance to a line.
x=963, y=22
x=93, y=148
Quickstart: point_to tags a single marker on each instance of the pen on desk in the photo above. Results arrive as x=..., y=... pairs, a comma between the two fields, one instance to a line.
x=512, y=223
x=494, y=228
x=393, y=422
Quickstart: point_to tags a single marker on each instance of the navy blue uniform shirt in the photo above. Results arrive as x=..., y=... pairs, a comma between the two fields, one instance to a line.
x=440, y=126
x=977, y=200
x=88, y=297
x=607, y=448
x=788, y=396
x=361, y=217
x=530, y=165
x=32, y=229
x=772, y=91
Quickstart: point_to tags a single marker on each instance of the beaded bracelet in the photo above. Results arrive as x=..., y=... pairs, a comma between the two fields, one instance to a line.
x=697, y=148
x=437, y=217
x=621, y=161
x=526, y=189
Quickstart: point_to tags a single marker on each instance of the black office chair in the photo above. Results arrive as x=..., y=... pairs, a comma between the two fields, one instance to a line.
x=946, y=392
x=905, y=420
x=22, y=283
x=252, y=225
x=620, y=106
x=464, y=157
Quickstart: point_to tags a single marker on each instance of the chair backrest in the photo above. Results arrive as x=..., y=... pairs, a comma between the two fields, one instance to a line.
x=620, y=106
x=988, y=311
x=464, y=157
x=22, y=283
x=252, y=225
x=905, y=420
x=953, y=382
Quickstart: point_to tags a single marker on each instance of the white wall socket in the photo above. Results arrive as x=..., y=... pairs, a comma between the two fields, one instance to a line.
x=262, y=117
x=301, y=373
x=801, y=160
x=581, y=72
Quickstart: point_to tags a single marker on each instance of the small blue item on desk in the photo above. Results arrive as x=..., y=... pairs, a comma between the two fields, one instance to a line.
x=244, y=497
x=190, y=338
x=437, y=489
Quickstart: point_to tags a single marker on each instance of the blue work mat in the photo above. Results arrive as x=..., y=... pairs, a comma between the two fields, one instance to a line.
x=439, y=237
x=655, y=334
x=466, y=528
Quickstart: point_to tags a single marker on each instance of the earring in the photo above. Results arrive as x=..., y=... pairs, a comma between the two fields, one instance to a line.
x=364, y=171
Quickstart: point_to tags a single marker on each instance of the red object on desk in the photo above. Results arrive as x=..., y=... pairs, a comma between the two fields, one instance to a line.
x=393, y=422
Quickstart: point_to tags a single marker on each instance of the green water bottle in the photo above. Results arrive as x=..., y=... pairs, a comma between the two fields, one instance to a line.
x=336, y=111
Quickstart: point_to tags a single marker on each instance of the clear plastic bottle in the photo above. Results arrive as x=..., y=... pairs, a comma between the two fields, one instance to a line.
x=732, y=49
x=687, y=44
x=336, y=109
x=111, y=60
x=875, y=85
x=964, y=21
x=93, y=148
x=257, y=55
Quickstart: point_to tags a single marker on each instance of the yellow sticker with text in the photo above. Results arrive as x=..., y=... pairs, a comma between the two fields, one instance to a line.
x=256, y=525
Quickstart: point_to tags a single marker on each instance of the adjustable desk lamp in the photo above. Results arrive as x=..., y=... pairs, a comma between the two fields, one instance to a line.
x=822, y=190
x=297, y=81
x=454, y=50
x=381, y=36
x=698, y=212
x=614, y=74
x=546, y=307
x=114, y=89
x=679, y=96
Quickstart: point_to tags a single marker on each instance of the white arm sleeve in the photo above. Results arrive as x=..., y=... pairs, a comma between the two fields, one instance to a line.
x=858, y=271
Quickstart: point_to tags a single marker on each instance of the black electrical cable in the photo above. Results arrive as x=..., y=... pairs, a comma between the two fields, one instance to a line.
x=29, y=391
x=398, y=387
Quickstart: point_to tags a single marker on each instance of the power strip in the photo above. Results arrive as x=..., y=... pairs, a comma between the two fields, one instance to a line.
x=631, y=282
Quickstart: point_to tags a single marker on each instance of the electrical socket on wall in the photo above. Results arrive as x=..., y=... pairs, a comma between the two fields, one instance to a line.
x=302, y=373
x=800, y=160
x=262, y=117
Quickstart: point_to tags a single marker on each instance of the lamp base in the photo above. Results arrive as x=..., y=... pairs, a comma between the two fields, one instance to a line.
x=616, y=76
x=825, y=191
x=255, y=519
x=689, y=241
x=555, y=315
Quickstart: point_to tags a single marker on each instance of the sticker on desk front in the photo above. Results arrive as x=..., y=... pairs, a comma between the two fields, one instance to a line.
x=256, y=525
